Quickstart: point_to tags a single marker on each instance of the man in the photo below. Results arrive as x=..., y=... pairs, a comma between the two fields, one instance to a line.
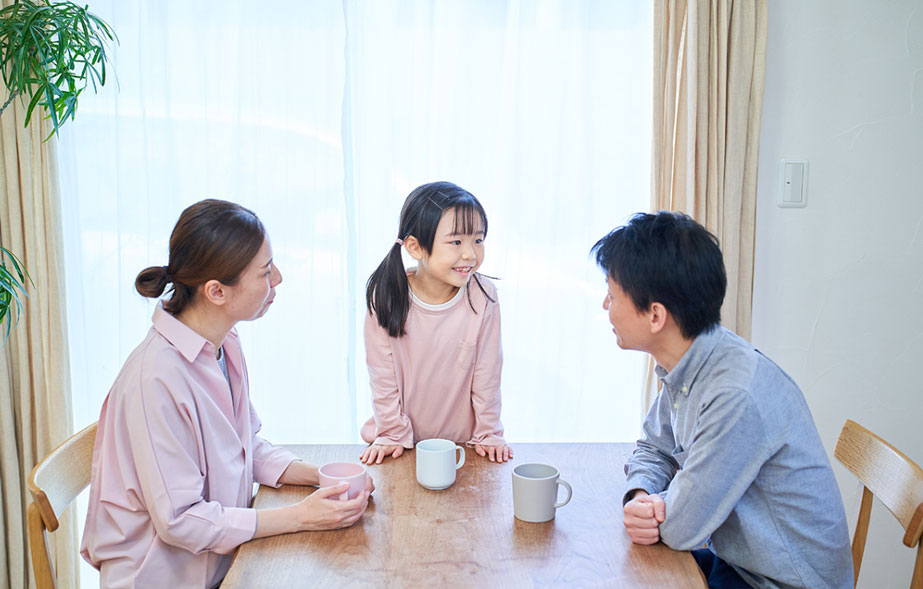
x=729, y=458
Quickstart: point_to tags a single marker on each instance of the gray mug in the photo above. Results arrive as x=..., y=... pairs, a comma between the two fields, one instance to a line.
x=535, y=492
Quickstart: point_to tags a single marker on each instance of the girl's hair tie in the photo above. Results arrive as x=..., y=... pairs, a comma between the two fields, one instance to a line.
x=398, y=241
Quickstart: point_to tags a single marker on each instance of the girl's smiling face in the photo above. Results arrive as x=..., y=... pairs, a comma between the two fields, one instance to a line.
x=455, y=256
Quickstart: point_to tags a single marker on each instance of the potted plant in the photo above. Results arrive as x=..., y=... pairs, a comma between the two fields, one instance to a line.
x=50, y=50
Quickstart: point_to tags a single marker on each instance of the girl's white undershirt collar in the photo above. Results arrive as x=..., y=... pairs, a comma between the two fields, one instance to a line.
x=440, y=306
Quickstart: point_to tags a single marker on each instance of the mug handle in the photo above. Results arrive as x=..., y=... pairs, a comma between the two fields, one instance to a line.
x=461, y=461
x=570, y=492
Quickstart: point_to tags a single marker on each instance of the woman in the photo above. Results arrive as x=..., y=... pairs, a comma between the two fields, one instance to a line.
x=176, y=452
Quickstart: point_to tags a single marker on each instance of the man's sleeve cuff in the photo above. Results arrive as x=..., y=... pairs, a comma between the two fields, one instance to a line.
x=637, y=484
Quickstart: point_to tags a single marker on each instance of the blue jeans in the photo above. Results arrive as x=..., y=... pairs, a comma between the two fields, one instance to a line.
x=719, y=574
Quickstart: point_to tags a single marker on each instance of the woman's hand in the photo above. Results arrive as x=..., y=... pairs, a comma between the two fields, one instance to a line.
x=376, y=453
x=318, y=511
x=500, y=453
x=315, y=512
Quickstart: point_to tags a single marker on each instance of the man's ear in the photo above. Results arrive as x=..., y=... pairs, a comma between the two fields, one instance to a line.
x=658, y=317
x=214, y=291
x=413, y=247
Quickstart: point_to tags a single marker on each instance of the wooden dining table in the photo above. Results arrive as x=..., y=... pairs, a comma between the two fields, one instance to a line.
x=466, y=535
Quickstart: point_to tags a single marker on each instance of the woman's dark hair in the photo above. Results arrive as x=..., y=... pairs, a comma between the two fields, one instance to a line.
x=213, y=240
x=670, y=259
x=387, y=292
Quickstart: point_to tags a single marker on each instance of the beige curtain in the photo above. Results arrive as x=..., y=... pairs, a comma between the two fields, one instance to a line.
x=35, y=406
x=709, y=68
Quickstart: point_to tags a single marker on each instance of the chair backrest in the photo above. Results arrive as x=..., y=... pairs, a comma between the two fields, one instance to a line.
x=896, y=480
x=54, y=483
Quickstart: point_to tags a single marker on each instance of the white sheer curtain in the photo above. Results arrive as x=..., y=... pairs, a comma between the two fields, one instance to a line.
x=542, y=110
x=321, y=117
x=215, y=99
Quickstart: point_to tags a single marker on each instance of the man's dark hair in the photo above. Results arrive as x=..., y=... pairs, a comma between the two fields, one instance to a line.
x=670, y=259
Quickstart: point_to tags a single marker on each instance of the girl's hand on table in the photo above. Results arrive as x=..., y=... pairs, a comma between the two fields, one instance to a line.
x=376, y=453
x=500, y=453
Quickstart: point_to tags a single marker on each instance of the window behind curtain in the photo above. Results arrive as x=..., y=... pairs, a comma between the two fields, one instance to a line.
x=321, y=117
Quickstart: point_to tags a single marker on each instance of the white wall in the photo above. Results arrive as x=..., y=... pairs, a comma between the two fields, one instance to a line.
x=838, y=293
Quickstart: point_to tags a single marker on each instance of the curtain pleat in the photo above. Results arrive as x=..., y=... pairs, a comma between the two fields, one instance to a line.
x=709, y=70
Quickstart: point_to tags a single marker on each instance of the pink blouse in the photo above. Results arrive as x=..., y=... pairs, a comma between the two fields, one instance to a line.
x=174, y=463
x=441, y=379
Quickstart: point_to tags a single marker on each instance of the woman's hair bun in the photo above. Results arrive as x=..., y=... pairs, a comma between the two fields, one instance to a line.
x=152, y=281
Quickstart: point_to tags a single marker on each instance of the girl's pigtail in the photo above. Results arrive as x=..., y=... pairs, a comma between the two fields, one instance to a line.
x=387, y=293
x=481, y=286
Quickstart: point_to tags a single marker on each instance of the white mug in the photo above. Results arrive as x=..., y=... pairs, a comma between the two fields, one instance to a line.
x=535, y=492
x=436, y=464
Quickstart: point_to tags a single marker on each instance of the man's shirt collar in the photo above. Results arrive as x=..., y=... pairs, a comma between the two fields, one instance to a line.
x=682, y=376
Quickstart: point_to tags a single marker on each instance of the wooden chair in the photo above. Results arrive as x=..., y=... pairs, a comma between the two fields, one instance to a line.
x=54, y=483
x=892, y=477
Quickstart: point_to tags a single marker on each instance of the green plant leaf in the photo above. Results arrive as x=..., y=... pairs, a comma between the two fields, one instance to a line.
x=10, y=293
x=53, y=50
x=32, y=104
x=12, y=284
x=18, y=266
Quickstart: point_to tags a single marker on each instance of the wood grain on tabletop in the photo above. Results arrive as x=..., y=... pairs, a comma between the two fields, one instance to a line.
x=466, y=534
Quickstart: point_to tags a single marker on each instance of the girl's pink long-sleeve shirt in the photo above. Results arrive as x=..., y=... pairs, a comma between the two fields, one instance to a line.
x=174, y=463
x=441, y=379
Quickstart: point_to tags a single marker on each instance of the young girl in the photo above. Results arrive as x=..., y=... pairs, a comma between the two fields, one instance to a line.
x=432, y=335
x=177, y=449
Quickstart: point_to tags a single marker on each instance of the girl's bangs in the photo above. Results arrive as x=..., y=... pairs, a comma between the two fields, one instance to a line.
x=469, y=218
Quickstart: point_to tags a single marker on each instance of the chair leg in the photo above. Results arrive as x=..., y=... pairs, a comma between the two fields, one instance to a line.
x=38, y=549
x=861, y=533
x=916, y=582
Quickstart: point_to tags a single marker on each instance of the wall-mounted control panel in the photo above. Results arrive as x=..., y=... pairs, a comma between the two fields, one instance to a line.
x=793, y=183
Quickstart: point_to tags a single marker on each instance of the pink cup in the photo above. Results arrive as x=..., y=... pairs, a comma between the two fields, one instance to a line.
x=335, y=473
